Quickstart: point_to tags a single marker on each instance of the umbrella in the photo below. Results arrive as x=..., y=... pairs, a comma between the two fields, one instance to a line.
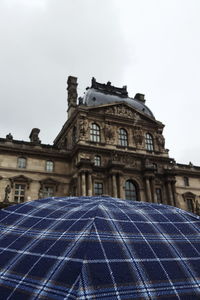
x=98, y=248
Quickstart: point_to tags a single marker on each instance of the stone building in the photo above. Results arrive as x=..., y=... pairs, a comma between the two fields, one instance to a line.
x=110, y=144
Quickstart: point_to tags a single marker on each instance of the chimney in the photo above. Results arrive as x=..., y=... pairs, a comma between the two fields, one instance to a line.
x=140, y=97
x=72, y=94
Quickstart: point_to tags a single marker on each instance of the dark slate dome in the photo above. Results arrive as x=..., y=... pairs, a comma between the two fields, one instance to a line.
x=100, y=94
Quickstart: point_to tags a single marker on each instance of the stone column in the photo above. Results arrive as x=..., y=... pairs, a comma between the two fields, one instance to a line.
x=83, y=184
x=121, y=190
x=79, y=185
x=148, y=189
x=174, y=192
x=153, y=191
x=114, y=185
x=90, y=184
x=170, y=194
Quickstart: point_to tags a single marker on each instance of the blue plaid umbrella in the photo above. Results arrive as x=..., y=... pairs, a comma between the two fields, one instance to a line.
x=98, y=248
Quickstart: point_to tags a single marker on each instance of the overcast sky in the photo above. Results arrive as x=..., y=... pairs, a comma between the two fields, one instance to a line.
x=152, y=46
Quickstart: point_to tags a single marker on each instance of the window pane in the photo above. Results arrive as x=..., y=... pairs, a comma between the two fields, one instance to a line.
x=97, y=160
x=159, y=195
x=48, y=191
x=98, y=188
x=130, y=191
x=123, y=137
x=95, y=133
x=186, y=181
x=21, y=162
x=190, y=204
x=19, y=192
x=149, y=142
x=49, y=166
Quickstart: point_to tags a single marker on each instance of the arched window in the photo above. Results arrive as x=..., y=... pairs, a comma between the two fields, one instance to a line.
x=130, y=191
x=21, y=163
x=123, y=137
x=149, y=142
x=95, y=133
x=97, y=160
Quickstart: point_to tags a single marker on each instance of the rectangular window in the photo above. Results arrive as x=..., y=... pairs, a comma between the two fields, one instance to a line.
x=98, y=188
x=21, y=163
x=159, y=195
x=186, y=181
x=19, y=195
x=97, y=160
x=48, y=191
x=190, y=204
x=49, y=166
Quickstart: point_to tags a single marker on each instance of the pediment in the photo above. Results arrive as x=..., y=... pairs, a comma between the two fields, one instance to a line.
x=20, y=179
x=49, y=181
x=122, y=110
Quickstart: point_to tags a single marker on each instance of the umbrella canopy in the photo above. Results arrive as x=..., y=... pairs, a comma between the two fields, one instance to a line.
x=98, y=248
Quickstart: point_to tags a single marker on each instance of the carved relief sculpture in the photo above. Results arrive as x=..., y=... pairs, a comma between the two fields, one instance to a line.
x=121, y=110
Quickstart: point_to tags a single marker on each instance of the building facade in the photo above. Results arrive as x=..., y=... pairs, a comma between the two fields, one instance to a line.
x=110, y=144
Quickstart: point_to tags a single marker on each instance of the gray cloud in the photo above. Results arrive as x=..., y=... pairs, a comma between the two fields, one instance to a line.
x=152, y=46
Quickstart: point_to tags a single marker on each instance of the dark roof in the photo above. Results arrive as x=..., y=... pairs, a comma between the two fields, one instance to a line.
x=100, y=94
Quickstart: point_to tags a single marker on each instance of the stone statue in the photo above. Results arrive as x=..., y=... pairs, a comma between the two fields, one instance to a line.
x=109, y=134
x=34, y=138
x=83, y=126
x=7, y=192
x=138, y=136
x=9, y=137
x=160, y=140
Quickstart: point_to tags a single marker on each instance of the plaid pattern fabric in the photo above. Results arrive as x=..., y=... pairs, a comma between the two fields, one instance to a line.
x=98, y=248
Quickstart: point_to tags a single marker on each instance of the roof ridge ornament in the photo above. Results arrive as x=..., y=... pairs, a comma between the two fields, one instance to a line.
x=108, y=88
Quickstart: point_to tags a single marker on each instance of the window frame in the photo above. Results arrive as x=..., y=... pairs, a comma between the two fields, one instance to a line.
x=149, y=142
x=95, y=133
x=47, y=166
x=45, y=194
x=21, y=162
x=123, y=137
x=98, y=188
x=19, y=197
x=186, y=181
x=131, y=191
x=159, y=196
x=97, y=160
x=190, y=204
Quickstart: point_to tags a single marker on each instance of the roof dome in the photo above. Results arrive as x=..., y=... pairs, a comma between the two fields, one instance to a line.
x=100, y=94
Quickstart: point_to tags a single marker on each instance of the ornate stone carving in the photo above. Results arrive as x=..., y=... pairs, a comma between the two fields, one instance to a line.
x=109, y=133
x=108, y=88
x=121, y=110
x=128, y=160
